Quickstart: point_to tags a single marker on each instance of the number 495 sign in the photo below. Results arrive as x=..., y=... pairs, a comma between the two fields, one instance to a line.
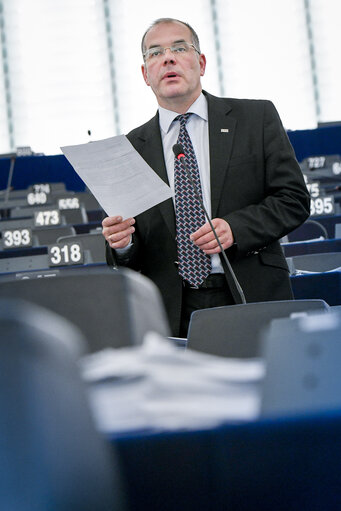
x=322, y=206
x=65, y=254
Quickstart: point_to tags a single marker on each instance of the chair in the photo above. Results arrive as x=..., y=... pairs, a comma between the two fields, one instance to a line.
x=42, y=236
x=112, y=308
x=13, y=203
x=335, y=308
x=88, y=200
x=75, y=216
x=51, y=455
x=235, y=330
x=28, y=211
x=92, y=241
x=337, y=231
x=17, y=223
x=309, y=230
x=302, y=359
x=49, y=235
x=319, y=263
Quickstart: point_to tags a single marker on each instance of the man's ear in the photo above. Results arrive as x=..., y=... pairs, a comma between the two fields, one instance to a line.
x=202, y=62
x=145, y=74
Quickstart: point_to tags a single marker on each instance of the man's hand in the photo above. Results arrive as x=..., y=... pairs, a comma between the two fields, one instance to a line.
x=205, y=239
x=117, y=231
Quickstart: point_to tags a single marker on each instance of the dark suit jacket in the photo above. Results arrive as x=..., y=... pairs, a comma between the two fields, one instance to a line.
x=256, y=186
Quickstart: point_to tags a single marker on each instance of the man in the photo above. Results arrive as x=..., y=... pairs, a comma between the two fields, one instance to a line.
x=249, y=179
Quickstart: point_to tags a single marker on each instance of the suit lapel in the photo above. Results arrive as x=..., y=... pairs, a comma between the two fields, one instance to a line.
x=149, y=145
x=221, y=134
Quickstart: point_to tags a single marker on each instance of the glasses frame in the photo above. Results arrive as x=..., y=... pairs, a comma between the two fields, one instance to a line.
x=164, y=48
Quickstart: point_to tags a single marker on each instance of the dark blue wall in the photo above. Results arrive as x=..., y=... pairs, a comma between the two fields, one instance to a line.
x=42, y=169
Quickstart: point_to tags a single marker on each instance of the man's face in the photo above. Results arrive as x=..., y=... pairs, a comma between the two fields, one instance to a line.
x=174, y=78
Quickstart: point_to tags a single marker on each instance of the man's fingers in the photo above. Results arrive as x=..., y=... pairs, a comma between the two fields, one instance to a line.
x=212, y=244
x=206, y=228
x=205, y=238
x=111, y=220
x=205, y=234
x=118, y=236
x=117, y=231
x=121, y=243
x=112, y=225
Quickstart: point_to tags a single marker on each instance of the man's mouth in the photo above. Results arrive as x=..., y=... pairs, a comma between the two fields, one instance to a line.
x=170, y=75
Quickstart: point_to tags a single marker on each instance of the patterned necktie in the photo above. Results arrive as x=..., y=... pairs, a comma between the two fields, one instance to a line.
x=194, y=264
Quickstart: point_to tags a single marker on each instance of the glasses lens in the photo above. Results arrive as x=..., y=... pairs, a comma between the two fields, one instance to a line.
x=154, y=52
x=180, y=47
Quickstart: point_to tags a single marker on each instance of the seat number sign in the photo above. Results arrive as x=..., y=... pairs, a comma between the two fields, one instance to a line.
x=320, y=206
x=47, y=217
x=15, y=238
x=69, y=203
x=36, y=198
x=65, y=254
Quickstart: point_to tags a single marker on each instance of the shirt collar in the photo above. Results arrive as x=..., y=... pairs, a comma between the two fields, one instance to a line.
x=199, y=107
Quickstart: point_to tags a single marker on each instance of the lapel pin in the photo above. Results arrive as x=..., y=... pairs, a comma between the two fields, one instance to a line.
x=224, y=130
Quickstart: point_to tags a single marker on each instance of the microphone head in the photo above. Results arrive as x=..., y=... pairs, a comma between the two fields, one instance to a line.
x=178, y=150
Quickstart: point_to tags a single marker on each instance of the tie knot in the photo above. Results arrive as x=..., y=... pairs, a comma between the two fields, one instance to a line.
x=183, y=118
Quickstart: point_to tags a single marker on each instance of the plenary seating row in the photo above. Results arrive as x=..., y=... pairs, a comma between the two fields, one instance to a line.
x=110, y=307
x=28, y=218
x=315, y=228
x=63, y=201
x=312, y=247
x=36, y=237
x=323, y=168
x=99, y=300
x=68, y=249
x=236, y=330
x=60, y=459
x=102, y=301
x=318, y=263
x=45, y=193
x=24, y=203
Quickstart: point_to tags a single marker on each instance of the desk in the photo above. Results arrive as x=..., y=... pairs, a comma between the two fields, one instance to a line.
x=329, y=222
x=284, y=464
x=322, y=286
x=311, y=247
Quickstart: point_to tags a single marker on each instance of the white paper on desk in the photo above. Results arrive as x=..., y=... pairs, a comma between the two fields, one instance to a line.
x=117, y=175
x=158, y=386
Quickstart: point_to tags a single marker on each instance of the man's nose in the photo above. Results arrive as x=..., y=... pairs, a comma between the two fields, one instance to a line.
x=168, y=56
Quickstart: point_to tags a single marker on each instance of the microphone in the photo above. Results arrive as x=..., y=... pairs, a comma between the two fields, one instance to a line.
x=179, y=154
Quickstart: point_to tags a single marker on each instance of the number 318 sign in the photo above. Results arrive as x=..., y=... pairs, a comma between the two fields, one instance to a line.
x=66, y=254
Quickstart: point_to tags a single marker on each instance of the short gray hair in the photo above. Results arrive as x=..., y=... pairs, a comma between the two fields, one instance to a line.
x=194, y=35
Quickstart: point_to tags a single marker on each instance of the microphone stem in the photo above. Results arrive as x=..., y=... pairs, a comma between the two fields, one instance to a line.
x=228, y=264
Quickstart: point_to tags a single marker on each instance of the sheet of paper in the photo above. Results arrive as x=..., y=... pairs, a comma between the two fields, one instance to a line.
x=157, y=386
x=115, y=173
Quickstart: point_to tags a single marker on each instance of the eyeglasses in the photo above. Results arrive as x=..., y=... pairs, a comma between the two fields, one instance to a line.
x=176, y=49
